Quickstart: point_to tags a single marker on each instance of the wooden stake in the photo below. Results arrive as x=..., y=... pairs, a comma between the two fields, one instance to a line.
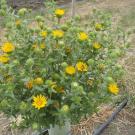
x=73, y=7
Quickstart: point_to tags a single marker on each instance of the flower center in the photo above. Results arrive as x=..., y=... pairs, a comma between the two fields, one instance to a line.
x=39, y=102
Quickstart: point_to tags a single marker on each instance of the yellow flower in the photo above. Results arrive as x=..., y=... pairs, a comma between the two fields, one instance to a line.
x=7, y=47
x=83, y=36
x=39, y=101
x=53, y=85
x=38, y=81
x=43, y=34
x=4, y=58
x=42, y=46
x=59, y=12
x=98, y=26
x=81, y=66
x=70, y=70
x=113, y=88
x=58, y=33
x=18, y=22
x=29, y=84
x=58, y=89
x=97, y=45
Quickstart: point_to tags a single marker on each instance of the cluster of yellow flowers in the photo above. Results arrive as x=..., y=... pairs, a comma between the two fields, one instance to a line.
x=42, y=46
x=40, y=101
x=37, y=81
x=80, y=66
x=4, y=58
x=6, y=48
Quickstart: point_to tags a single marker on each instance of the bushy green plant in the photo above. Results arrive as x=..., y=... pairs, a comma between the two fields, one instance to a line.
x=3, y=7
x=64, y=71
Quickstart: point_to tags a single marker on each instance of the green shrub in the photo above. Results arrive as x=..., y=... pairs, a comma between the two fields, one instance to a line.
x=53, y=72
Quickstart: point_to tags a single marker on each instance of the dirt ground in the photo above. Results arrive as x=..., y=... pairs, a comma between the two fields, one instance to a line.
x=123, y=14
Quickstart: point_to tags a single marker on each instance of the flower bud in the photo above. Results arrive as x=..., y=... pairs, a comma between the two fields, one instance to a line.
x=2, y=12
x=22, y=11
x=35, y=126
x=77, y=18
x=56, y=76
x=44, y=71
x=16, y=62
x=9, y=25
x=90, y=62
x=38, y=81
x=80, y=89
x=119, y=66
x=61, y=42
x=109, y=79
x=65, y=109
x=39, y=18
x=38, y=50
x=4, y=103
x=90, y=94
x=23, y=106
x=64, y=27
x=64, y=64
x=74, y=85
x=30, y=62
x=48, y=82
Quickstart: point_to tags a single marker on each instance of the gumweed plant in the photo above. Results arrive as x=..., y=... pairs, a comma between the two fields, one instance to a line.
x=64, y=71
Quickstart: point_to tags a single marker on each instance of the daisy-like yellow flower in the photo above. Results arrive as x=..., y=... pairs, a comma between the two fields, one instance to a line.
x=39, y=101
x=7, y=47
x=42, y=46
x=113, y=88
x=58, y=33
x=83, y=36
x=29, y=84
x=70, y=70
x=38, y=81
x=98, y=26
x=43, y=34
x=97, y=45
x=4, y=58
x=81, y=66
x=59, y=12
x=18, y=22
